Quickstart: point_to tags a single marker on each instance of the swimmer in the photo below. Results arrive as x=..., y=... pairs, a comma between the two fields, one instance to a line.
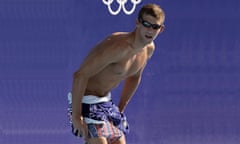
x=122, y=56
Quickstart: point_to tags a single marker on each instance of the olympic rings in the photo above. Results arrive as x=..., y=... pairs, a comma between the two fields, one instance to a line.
x=121, y=6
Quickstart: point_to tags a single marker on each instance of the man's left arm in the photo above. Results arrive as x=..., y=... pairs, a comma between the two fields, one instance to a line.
x=129, y=88
x=131, y=83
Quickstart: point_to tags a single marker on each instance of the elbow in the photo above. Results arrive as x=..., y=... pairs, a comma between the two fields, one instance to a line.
x=76, y=75
x=134, y=79
x=79, y=75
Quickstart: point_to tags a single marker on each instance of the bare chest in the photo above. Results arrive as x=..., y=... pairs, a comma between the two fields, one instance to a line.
x=129, y=66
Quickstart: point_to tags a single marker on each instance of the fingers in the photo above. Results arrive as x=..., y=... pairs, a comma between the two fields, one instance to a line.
x=77, y=132
x=80, y=128
x=80, y=133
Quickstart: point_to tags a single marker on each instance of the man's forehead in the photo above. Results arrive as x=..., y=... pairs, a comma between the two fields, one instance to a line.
x=152, y=19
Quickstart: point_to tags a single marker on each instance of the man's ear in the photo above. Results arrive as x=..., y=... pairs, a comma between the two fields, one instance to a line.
x=137, y=22
x=162, y=28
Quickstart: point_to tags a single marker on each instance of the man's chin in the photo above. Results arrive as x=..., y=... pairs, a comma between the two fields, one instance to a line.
x=147, y=40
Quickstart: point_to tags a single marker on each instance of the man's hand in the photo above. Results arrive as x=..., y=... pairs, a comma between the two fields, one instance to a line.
x=80, y=127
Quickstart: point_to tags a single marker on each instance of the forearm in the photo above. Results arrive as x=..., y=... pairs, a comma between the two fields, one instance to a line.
x=78, y=90
x=129, y=89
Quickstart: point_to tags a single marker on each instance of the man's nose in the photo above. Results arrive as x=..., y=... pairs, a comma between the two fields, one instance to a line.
x=150, y=29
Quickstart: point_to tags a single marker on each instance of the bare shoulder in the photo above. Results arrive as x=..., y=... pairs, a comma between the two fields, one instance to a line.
x=119, y=33
x=111, y=45
x=116, y=42
x=104, y=53
x=150, y=50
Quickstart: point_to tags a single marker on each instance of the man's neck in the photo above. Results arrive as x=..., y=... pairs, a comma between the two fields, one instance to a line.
x=137, y=43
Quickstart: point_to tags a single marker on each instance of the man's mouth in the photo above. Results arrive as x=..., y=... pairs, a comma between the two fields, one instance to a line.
x=148, y=36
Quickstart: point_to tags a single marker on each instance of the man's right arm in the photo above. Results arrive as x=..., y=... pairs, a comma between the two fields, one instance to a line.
x=78, y=89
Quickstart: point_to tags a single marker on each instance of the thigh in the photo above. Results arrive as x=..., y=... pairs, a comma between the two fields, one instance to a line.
x=98, y=140
x=106, y=131
x=121, y=140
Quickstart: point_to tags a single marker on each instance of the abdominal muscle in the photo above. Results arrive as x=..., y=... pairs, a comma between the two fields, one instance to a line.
x=101, y=84
x=99, y=89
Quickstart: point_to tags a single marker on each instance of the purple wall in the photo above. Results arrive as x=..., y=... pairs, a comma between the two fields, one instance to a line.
x=190, y=89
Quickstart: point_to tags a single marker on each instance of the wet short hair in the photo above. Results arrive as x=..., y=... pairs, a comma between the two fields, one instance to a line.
x=153, y=10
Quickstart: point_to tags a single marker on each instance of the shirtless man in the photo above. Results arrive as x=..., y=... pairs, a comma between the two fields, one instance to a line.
x=121, y=56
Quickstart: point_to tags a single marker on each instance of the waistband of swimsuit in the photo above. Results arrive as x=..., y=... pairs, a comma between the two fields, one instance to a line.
x=92, y=99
